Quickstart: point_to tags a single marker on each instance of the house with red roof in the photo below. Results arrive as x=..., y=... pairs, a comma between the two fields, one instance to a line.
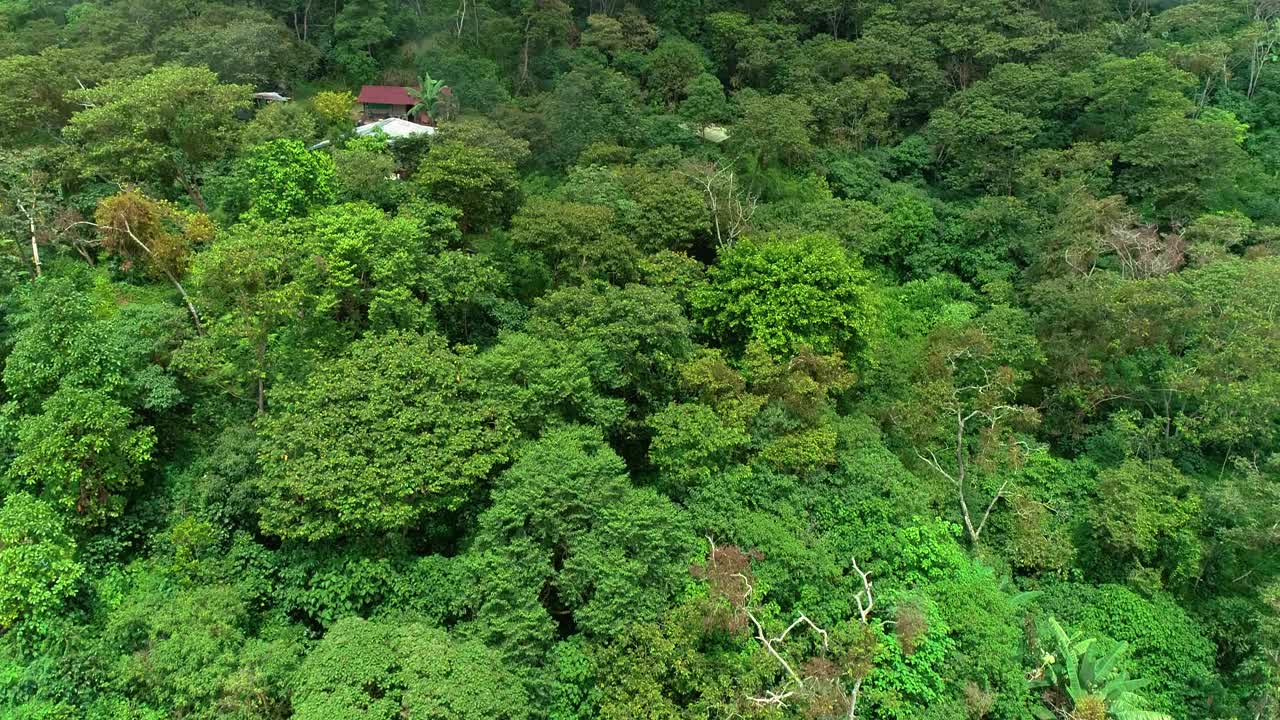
x=378, y=102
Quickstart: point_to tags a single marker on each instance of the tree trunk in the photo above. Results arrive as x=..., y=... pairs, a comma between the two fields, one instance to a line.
x=261, y=351
x=524, y=55
x=193, y=192
x=35, y=248
x=960, y=472
x=195, y=316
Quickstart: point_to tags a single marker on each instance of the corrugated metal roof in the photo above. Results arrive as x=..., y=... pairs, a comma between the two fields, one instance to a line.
x=385, y=95
x=396, y=128
x=393, y=128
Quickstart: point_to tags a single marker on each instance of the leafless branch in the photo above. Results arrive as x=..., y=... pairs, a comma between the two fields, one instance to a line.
x=864, y=610
x=730, y=207
x=31, y=223
x=195, y=316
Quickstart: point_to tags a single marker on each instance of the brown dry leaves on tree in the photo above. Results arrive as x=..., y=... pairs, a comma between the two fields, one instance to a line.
x=155, y=233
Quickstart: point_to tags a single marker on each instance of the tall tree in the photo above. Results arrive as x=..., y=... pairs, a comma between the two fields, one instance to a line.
x=429, y=439
x=162, y=128
x=963, y=416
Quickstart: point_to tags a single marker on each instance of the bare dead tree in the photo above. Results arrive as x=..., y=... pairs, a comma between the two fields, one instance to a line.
x=795, y=684
x=28, y=213
x=866, y=602
x=1143, y=251
x=300, y=25
x=801, y=684
x=971, y=408
x=462, y=19
x=731, y=207
x=1137, y=9
x=37, y=215
x=864, y=609
x=20, y=187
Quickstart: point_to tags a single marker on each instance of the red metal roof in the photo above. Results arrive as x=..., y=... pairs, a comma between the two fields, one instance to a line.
x=385, y=95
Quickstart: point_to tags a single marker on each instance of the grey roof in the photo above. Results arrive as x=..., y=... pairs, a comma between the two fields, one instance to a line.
x=393, y=128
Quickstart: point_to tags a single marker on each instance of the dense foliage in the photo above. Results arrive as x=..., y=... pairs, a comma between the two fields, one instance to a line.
x=782, y=359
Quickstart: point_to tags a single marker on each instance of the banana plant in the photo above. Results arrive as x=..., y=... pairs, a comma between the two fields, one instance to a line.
x=425, y=95
x=1080, y=681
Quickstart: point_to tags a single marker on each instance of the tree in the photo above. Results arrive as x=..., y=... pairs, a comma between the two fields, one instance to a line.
x=82, y=452
x=359, y=29
x=1130, y=94
x=161, y=128
x=548, y=380
x=379, y=670
x=282, y=121
x=383, y=271
x=38, y=570
x=365, y=170
x=482, y=132
x=81, y=383
x=38, y=85
x=774, y=129
x=335, y=110
x=1170, y=645
x=671, y=67
x=477, y=84
x=1148, y=518
x=890, y=45
x=425, y=95
x=428, y=440
x=546, y=24
x=788, y=293
x=613, y=554
x=588, y=107
x=245, y=281
x=241, y=45
x=704, y=102
x=473, y=179
x=603, y=32
x=962, y=391
x=983, y=140
x=861, y=111
x=188, y=648
x=285, y=179
x=970, y=40
x=281, y=294
x=1181, y=167
x=633, y=338
x=578, y=240
x=1183, y=350
x=155, y=233
x=658, y=209
x=61, y=338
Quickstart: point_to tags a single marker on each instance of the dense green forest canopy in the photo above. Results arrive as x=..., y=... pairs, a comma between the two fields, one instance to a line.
x=711, y=359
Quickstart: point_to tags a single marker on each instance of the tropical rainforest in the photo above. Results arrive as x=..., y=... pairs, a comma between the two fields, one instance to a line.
x=708, y=360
